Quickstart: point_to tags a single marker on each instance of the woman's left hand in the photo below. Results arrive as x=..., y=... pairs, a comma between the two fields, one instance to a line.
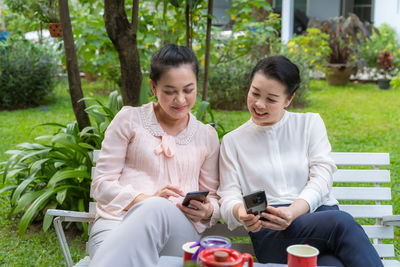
x=278, y=218
x=197, y=211
x=281, y=217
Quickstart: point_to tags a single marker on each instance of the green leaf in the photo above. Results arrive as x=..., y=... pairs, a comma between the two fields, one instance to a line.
x=81, y=207
x=85, y=145
x=21, y=187
x=38, y=164
x=48, y=218
x=67, y=174
x=51, y=124
x=61, y=196
x=33, y=209
x=7, y=188
x=26, y=199
x=35, y=153
x=68, y=141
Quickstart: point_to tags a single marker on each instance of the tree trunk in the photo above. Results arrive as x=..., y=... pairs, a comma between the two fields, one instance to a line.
x=207, y=52
x=122, y=33
x=74, y=79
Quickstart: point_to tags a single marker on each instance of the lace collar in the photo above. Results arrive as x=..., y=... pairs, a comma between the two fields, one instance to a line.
x=151, y=124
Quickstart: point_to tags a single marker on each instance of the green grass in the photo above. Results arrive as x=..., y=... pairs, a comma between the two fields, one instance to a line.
x=358, y=117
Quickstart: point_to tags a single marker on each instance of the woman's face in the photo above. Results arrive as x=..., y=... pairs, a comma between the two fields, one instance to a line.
x=267, y=100
x=176, y=92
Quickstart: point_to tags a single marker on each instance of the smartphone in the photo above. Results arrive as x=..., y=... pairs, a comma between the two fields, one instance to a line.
x=196, y=195
x=255, y=203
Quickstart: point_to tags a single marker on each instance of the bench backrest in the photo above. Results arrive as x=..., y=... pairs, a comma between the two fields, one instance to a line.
x=362, y=190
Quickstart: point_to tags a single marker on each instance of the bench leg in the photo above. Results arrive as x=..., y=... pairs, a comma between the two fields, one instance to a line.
x=63, y=241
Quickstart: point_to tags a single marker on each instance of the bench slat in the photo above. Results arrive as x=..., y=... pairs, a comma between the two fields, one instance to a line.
x=96, y=154
x=384, y=250
x=357, y=159
x=362, y=176
x=391, y=263
x=362, y=193
x=379, y=231
x=367, y=211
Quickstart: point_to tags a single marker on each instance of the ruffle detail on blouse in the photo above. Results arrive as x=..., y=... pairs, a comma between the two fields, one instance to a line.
x=150, y=123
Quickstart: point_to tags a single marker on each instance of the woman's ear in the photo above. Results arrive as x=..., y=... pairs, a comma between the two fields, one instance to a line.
x=289, y=100
x=153, y=88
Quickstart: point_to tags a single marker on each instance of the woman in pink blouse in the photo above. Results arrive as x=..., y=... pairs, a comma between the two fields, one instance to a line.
x=151, y=157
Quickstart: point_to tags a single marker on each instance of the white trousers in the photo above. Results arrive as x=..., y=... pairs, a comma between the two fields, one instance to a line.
x=151, y=228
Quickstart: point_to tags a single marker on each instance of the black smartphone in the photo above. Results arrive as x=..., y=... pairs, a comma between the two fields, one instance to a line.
x=255, y=203
x=196, y=195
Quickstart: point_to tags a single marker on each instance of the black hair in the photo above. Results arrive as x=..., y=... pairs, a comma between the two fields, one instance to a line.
x=172, y=55
x=281, y=69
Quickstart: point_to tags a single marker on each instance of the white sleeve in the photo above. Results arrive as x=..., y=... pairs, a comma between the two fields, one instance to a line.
x=321, y=165
x=229, y=189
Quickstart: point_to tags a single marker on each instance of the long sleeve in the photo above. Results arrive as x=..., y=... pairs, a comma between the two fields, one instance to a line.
x=230, y=189
x=106, y=186
x=321, y=165
x=209, y=177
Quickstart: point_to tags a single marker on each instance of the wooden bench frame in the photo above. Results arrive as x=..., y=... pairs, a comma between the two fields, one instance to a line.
x=374, y=191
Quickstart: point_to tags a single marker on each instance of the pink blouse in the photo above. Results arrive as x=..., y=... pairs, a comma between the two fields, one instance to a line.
x=137, y=157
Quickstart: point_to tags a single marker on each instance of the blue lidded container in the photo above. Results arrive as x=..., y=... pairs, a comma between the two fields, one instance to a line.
x=211, y=241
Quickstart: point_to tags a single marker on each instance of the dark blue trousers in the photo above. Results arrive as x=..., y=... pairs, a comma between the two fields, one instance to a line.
x=339, y=238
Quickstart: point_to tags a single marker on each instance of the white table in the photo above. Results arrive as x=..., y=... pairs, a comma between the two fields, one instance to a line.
x=171, y=261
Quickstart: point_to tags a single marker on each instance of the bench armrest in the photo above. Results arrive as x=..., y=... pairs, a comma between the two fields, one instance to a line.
x=67, y=216
x=72, y=216
x=391, y=220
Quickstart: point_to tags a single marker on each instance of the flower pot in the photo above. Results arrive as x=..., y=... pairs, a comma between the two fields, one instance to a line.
x=338, y=74
x=55, y=29
x=384, y=84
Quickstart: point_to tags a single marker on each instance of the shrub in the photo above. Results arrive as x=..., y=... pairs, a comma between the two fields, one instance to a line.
x=229, y=83
x=310, y=53
x=386, y=40
x=27, y=74
x=55, y=172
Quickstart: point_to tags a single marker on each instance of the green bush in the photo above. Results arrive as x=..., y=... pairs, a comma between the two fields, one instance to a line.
x=27, y=74
x=55, y=171
x=310, y=52
x=386, y=40
x=229, y=84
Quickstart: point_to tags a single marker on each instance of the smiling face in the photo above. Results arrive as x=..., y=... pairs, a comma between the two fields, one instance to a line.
x=176, y=92
x=267, y=100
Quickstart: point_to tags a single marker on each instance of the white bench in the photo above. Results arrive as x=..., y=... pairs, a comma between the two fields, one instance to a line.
x=362, y=191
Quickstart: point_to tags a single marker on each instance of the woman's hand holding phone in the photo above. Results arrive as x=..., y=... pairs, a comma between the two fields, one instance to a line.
x=197, y=210
x=249, y=221
x=280, y=218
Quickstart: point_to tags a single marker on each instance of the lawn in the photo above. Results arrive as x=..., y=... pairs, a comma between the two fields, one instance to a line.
x=358, y=117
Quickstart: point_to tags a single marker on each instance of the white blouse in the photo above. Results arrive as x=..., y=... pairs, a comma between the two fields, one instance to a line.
x=289, y=160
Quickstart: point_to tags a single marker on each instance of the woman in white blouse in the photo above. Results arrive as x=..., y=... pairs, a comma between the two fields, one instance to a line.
x=286, y=154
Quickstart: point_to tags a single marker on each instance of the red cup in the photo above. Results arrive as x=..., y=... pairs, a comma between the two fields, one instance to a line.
x=188, y=251
x=302, y=256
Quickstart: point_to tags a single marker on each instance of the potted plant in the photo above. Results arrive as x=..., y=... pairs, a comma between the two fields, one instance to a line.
x=386, y=69
x=345, y=37
x=382, y=55
x=48, y=12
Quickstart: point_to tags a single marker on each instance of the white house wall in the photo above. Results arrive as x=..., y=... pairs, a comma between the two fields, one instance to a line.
x=387, y=11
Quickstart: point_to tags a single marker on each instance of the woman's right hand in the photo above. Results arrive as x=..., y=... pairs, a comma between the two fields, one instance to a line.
x=250, y=222
x=165, y=192
x=168, y=191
